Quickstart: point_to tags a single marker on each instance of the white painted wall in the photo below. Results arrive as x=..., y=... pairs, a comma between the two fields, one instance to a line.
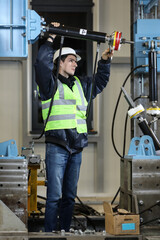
x=11, y=101
x=109, y=15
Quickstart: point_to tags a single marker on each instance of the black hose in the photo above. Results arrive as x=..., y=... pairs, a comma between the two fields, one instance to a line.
x=116, y=107
x=115, y=196
x=54, y=89
x=93, y=81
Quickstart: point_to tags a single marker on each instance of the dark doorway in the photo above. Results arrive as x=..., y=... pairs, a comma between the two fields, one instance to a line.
x=73, y=14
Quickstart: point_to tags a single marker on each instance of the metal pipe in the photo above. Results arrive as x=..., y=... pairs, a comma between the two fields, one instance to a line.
x=100, y=37
x=153, y=83
x=78, y=33
x=143, y=124
x=149, y=5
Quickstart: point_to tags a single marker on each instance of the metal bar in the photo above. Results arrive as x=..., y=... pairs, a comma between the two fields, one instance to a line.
x=11, y=22
x=78, y=33
x=148, y=7
x=157, y=203
x=128, y=98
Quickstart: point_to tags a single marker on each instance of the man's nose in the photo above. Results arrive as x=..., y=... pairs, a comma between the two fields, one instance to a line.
x=75, y=63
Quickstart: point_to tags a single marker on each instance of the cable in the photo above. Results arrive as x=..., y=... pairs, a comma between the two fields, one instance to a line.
x=115, y=196
x=80, y=223
x=152, y=220
x=86, y=209
x=116, y=107
x=93, y=81
x=125, y=130
x=54, y=89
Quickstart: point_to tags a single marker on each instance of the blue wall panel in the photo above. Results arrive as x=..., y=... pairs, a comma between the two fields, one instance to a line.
x=18, y=26
x=13, y=22
x=146, y=33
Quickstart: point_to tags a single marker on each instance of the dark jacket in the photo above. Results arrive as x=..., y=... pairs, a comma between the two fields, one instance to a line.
x=68, y=138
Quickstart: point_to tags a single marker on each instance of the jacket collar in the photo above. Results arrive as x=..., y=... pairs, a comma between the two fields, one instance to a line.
x=68, y=81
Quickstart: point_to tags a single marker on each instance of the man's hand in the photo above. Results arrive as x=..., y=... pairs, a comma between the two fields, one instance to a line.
x=107, y=54
x=52, y=36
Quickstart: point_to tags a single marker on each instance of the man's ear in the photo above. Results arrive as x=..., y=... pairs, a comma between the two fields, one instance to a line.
x=61, y=63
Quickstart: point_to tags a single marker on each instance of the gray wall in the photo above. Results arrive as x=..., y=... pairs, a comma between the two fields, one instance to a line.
x=100, y=167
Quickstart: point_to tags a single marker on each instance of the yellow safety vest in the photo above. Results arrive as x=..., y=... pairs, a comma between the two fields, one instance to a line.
x=68, y=109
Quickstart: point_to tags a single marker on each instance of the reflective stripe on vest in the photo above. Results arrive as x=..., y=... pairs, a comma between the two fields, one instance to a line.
x=68, y=109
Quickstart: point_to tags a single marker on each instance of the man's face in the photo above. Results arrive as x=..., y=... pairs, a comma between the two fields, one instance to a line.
x=69, y=65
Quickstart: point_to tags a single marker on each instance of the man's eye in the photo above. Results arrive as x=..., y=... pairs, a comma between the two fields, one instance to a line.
x=73, y=61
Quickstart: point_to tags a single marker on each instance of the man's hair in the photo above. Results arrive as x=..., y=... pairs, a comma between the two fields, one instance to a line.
x=63, y=57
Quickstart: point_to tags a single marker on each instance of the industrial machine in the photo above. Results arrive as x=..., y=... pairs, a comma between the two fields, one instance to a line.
x=13, y=184
x=140, y=175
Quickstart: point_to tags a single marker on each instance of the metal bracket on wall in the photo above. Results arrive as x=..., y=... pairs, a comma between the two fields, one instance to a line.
x=18, y=26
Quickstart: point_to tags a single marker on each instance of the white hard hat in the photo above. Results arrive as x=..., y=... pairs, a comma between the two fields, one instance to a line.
x=66, y=51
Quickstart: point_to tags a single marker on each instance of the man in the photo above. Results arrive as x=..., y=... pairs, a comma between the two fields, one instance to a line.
x=66, y=130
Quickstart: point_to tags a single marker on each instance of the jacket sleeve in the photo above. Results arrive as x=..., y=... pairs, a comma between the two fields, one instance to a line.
x=44, y=69
x=100, y=82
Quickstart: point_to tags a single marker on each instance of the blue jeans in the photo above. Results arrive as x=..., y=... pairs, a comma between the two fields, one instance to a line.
x=62, y=177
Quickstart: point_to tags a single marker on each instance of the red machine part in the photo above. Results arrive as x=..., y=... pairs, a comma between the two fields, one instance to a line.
x=117, y=40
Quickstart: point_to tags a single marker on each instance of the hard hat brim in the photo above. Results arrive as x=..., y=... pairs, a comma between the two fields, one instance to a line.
x=66, y=51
